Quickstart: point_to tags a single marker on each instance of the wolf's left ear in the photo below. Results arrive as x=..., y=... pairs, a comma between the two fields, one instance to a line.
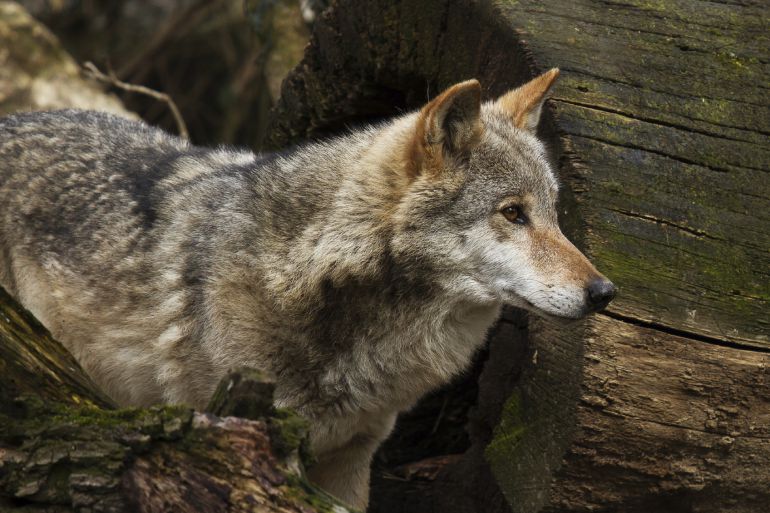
x=449, y=125
x=525, y=103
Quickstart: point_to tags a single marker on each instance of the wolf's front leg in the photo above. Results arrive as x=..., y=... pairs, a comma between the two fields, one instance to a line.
x=344, y=471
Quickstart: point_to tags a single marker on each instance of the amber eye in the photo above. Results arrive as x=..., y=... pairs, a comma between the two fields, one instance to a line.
x=513, y=214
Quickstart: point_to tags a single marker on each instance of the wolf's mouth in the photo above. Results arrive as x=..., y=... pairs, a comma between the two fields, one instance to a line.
x=558, y=319
x=540, y=312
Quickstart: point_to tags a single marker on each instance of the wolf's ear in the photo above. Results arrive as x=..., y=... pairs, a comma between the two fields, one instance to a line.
x=524, y=103
x=449, y=125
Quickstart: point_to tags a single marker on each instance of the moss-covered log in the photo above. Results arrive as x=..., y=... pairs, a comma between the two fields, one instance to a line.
x=660, y=125
x=65, y=448
x=665, y=147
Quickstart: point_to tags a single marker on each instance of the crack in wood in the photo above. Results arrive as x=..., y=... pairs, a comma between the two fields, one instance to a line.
x=691, y=231
x=642, y=88
x=676, y=158
x=650, y=13
x=718, y=293
x=673, y=425
x=604, y=23
x=668, y=124
x=671, y=246
x=646, y=217
x=670, y=330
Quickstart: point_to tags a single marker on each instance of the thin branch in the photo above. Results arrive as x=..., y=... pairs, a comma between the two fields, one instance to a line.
x=111, y=79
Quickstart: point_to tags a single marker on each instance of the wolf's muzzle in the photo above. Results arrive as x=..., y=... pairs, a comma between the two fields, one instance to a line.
x=600, y=292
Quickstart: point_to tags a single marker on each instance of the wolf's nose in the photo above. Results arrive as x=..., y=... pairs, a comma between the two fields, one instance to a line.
x=600, y=293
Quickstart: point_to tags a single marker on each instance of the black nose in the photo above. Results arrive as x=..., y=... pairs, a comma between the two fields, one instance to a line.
x=600, y=293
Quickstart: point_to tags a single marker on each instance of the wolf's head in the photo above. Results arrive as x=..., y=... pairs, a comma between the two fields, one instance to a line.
x=480, y=205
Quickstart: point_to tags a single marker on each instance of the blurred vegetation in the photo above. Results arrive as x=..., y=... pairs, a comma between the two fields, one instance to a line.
x=222, y=61
x=37, y=74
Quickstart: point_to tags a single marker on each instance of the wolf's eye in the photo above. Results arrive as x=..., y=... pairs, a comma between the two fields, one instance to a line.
x=513, y=214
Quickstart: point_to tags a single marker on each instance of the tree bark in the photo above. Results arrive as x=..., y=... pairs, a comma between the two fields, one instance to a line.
x=659, y=125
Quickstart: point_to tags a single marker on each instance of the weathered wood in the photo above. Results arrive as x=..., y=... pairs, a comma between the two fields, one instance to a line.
x=634, y=420
x=672, y=133
x=44, y=368
x=665, y=149
x=660, y=125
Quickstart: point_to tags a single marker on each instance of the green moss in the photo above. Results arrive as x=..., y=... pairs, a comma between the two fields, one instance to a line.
x=736, y=61
x=95, y=416
x=301, y=490
x=508, y=432
x=288, y=433
x=31, y=413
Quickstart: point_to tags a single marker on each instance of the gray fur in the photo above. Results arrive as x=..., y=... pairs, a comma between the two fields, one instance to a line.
x=161, y=265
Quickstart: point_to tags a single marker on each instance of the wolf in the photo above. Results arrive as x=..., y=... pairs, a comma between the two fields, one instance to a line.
x=361, y=271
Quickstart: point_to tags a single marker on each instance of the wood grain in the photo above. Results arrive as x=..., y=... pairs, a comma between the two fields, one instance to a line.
x=635, y=420
x=661, y=404
x=665, y=113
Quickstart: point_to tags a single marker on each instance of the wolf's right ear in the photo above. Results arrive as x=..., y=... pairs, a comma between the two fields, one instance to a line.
x=448, y=126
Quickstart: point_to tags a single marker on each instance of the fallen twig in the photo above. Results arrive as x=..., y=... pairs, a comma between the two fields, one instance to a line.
x=113, y=80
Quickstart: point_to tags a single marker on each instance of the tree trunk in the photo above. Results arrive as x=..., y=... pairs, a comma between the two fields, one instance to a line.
x=660, y=127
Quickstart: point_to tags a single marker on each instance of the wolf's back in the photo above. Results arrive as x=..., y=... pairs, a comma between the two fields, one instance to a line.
x=78, y=185
x=33, y=139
